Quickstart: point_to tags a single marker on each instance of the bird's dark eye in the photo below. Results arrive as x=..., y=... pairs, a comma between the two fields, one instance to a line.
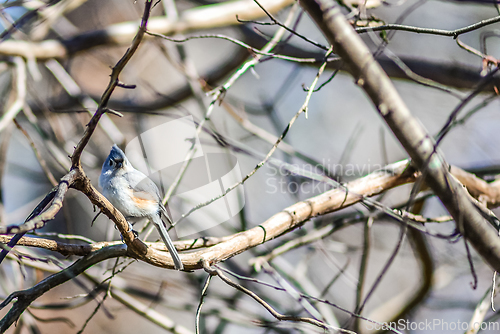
x=111, y=162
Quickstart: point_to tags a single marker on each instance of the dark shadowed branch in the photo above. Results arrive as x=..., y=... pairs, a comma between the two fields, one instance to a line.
x=26, y=297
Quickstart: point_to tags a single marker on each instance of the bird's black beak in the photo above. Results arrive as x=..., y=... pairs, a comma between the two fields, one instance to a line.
x=119, y=162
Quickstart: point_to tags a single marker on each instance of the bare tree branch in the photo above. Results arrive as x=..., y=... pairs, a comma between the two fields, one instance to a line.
x=268, y=307
x=414, y=138
x=26, y=297
x=333, y=200
x=440, y=32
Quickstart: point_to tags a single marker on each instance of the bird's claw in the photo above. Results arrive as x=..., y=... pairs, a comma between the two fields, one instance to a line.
x=136, y=234
x=130, y=229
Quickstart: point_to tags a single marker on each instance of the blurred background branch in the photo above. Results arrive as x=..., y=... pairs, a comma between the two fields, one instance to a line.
x=319, y=227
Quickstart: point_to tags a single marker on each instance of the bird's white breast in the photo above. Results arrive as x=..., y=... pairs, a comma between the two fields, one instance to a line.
x=119, y=193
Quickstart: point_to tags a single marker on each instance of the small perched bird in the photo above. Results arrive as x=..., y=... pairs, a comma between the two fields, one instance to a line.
x=135, y=195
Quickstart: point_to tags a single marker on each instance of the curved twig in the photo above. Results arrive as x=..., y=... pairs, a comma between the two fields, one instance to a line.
x=440, y=32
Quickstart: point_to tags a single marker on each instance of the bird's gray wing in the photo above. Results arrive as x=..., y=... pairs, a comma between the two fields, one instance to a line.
x=145, y=184
x=142, y=186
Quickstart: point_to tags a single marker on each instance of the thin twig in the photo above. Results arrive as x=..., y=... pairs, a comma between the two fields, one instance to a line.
x=271, y=310
x=20, y=100
x=41, y=160
x=291, y=31
x=440, y=32
x=303, y=109
x=218, y=93
x=292, y=292
x=202, y=300
x=303, y=295
x=96, y=309
x=363, y=268
x=240, y=43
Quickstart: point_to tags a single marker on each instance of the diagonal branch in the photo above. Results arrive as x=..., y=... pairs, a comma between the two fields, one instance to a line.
x=76, y=177
x=268, y=307
x=409, y=131
x=113, y=83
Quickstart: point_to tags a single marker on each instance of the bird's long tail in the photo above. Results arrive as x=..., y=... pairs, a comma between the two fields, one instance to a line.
x=162, y=230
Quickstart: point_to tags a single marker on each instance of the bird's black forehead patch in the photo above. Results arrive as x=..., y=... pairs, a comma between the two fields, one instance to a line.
x=117, y=158
x=116, y=154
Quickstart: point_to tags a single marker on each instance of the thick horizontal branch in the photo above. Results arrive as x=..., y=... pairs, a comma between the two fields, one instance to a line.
x=85, y=249
x=224, y=248
x=52, y=245
x=292, y=217
x=333, y=200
